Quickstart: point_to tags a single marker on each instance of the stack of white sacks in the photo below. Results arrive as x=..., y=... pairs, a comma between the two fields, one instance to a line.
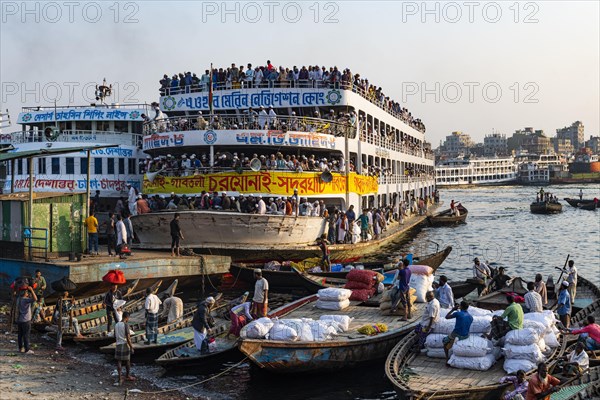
x=475, y=352
x=525, y=348
x=334, y=299
x=296, y=329
x=421, y=279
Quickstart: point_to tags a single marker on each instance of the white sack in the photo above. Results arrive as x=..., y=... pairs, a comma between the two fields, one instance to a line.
x=511, y=366
x=529, y=352
x=301, y=327
x=321, y=331
x=343, y=320
x=473, y=346
x=255, y=330
x=542, y=344
x=551, y=340
x=522, y=337
x=475, y=363
x=334, y=294
x=538, y=327
x=421, y=284
x=479, y=312
x=544, y=318
x=481, y=324
x=497, y=352
x=436, y=353
x=332, y=305
x=282, y=332
x=435, y=341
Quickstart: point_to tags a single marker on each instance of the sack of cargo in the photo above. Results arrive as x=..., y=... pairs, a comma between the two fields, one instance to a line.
x=481, y=324
x=542, y=345
x=420, y=270
x=343, y=320
x=551, y=340
x=332, y=305
x=114, y=277
x=435, y=341
x=385, y=305
x=364, y=276
x=522, y=337
x=63, y=285
x=482, y=363
x=544, y=318
x=479, y=312
x=256, y=329
x=334, y=294
x=362, y=294
x=301, y=327
x=529, y=352
x=373, y=329
x=386, y=296
x=537, y=327
x=321, y=331
x=444, y=326
x=473, y=346
x=512, y=365
x=282, y=332
x=437, y=352
x=272, y=266
x=421, y=284
x=356, y=285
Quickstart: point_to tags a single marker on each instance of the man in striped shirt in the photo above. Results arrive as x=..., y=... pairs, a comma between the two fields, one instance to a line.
x=533, y=300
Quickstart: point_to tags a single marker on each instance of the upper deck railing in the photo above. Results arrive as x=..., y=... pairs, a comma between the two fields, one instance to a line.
x=385, y=105
x=79, y=136
x=115, y=106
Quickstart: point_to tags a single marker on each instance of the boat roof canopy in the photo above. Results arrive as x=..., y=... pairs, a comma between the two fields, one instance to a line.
x=17, y=155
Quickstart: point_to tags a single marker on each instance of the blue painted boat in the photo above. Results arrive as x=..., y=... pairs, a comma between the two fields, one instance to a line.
x=345, y=350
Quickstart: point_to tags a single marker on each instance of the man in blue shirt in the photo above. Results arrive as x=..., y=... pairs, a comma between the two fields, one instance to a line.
x=400, y=290
x=461, y=327
x=351, y=215
x=563, y=308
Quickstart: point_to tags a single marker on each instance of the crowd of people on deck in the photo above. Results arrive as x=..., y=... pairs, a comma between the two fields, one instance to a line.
x=547, y=197
x=269, y=76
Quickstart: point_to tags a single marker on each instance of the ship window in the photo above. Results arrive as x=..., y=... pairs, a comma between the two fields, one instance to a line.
x=121, y=126
x=70, y=164
x=83, y=166
x=102, y=125
x=98, y=166
x=110, y=165
x=132, y=162
x=122, y=166
x=84, y=125
x=55, y=166
x=20, y=167
x=41, y=166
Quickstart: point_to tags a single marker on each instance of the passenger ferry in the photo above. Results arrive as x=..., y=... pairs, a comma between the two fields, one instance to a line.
x=78, y=126
x=537, y=169
x=346, y=149
x=476, y=171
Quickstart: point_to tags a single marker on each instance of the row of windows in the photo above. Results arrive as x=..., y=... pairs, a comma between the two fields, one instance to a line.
x=52, y=166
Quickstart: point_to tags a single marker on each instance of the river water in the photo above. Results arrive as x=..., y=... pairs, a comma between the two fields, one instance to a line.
x=499, y=229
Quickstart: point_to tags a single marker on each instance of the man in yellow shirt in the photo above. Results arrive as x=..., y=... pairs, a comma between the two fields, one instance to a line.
x=92, y=227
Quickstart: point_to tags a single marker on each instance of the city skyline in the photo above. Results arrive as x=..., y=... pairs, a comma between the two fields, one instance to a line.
x=477, y=69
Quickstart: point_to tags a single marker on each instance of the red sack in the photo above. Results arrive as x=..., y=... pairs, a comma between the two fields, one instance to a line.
x=21, y=284
x=364, y=276
x=362, y=294
x=115, y=277
x=358, y=285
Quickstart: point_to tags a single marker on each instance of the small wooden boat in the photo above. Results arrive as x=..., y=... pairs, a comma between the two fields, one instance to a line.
x=345, y=350
x=585, y=387
x=286, y=278
x=188, y=357
x=587, y=206
x=417, y=376
x=575, y=202
x=577, y=322
x=313, y=283
x=543, y=207
x=448, y=218
x=462, y=288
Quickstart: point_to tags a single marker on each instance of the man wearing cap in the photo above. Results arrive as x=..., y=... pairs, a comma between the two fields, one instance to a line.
x=132, y=199
x=563, y=308
x=261, y=206
x=203, y=322
x=260, y=301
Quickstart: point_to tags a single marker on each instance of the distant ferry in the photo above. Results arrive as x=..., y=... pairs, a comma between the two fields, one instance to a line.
x=537, y=169
x=476, y=171
x=77, y=126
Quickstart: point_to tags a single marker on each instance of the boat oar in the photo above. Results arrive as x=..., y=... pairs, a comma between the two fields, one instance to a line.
x=562, y=271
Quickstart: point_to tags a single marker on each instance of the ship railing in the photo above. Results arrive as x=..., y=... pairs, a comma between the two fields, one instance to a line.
x=389, y=143
x=338, y=128
x=114, y=106
x=79, y=136
x=203, y=87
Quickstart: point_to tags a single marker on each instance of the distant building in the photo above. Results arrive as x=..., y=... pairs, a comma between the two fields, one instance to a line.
x=575, y=133
x=594, y=144
x=562, y=146
x=456, y=144
x=534, y=141
x=495, y=144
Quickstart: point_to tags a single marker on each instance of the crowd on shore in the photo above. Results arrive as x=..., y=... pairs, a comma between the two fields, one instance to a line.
x=269, y=76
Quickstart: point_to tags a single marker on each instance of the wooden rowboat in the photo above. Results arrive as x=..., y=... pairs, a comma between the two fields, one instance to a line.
x=543, y=207
x=188, y=357
x=585, y=387
x=286, y=278
x=447, y=218
x=345, y=350
x=587, y=206
x=577, y=322
x=575, y=202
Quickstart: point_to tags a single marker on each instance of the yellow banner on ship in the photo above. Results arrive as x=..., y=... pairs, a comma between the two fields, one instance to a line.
x=267, y=182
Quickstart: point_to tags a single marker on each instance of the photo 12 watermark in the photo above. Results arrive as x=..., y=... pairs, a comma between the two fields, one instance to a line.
x=453, y=12
x=253, y=12
x=53, y=12
x=470, y=92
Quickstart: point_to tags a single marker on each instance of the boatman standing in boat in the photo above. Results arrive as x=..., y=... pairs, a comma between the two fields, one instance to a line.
x=400, y=290
x=322, y=243
x=110, y=297
x=172, y=308
x=572, y=279
x=260, y=301
x=540, y=287
x=431, y=315
x=563, y=309
x=481, y=271
x=203, y=322
x=461, y=326
x=152, y=306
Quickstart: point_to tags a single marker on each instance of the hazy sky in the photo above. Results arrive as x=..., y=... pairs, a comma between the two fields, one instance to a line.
x=470, y=66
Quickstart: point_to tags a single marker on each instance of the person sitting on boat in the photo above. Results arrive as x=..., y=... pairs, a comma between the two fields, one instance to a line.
x=577, y=362
x=533, y=300
x=514, y=319
x=461, y=327
x=589, y=335
x=563, y=308
x=482, y=272
x=260, y=300
x=542, y=384
x=520, y=385
x=444, y=293
x=431, y=315
x=499, y=281
x=240, y=316
x=400, y=290
x=322, y=243
x=203, y=322
x=540, y=287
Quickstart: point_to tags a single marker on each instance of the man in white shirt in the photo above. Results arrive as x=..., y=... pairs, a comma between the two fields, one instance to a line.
x=260, y=301
x=172, y=308
x=272, y=119
x=132, y=199
x=578, y=361
x=152, y=306
x=444, y=293
x=124, y=348
x=121, y=233
x=262, y=118
x=431, y=315
x=572, y=279
x=533, y=300
x=481, y=271
x=261, y=206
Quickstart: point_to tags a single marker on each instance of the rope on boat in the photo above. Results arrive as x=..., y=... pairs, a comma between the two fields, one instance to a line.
x=188, y=386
